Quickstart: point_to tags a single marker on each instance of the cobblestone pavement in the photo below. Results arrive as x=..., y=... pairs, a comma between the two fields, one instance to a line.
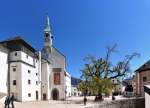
x=76, y=102
x=73, y=102
x=45, y=105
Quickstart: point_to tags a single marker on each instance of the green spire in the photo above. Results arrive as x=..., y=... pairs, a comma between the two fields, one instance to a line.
x=47, y=26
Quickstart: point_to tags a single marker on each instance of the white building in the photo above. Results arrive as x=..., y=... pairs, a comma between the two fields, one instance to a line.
x=68, y=84
x=75, y=91
x=33, y=75
x=46, y=80
x=147, y=95
x=58, y=77
x=118, y=87
x=23, y=70
x=3, y=70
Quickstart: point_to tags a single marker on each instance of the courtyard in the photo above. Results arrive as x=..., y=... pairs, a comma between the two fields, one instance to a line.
x=69, y=103
x=72, y=102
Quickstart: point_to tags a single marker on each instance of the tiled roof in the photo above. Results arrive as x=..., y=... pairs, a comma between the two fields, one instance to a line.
x=12, y=39
x=18, y=39
x=144, y=67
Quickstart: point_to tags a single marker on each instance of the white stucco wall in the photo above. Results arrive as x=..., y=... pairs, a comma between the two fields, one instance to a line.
x=75, y=92
x=16, y=89
x=22, y=56
x=46, y=86
x=29, y=88
x=3, y=72
x=22, y=88
x=68, y=84
x=147, y=99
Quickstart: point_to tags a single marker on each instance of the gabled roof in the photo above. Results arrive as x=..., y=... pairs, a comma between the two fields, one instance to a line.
x=11, y=39
x=18, y=39
x=144, y=67
x=59, y=52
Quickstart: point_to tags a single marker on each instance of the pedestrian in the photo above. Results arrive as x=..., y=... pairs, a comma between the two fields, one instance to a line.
x=85, y=100
x=12, y=99
x=7, y=102
x=113, y=97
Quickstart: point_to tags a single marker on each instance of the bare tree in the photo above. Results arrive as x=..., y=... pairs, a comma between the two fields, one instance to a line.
x=103, y=70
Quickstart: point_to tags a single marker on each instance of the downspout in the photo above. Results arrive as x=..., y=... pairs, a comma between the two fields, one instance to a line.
x=40, y=71
x=8, y=73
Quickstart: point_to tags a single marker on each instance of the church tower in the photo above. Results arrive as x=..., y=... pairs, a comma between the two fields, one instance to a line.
x=47, y=36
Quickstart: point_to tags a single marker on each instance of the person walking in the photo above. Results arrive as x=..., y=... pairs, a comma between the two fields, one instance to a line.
x=85, y=100
x=12, y=99
x=7, y=102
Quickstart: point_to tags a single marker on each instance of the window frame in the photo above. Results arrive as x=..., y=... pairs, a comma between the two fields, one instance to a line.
x=144, y=78
x=29, y=81
x=14, y=82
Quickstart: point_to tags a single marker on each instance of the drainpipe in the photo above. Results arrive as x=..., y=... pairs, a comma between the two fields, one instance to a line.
x=40, y=72
x=8, y=73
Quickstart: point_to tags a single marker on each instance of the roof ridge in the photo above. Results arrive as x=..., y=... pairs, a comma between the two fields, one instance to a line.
x=12, y=38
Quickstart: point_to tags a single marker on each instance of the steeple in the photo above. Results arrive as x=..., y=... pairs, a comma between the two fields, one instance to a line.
x=47, y=35
x=47, y=25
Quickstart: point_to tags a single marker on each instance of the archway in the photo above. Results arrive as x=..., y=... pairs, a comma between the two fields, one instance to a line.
x=55, y=94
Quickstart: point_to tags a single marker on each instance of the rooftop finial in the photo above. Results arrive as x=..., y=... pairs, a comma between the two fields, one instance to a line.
x=47, y=26
x=47, y=19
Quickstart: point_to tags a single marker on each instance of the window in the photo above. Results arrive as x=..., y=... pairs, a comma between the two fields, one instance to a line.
x=36, y=82
x=29, y=94
x=15, y=53
x=56, y=69
x=117, y=80
x=29, y=81
x=29, y=71
x=57, y=78
x=47, y=35
x=36, y=74
x=14, y=82
x=14, y=69
x=144, y=79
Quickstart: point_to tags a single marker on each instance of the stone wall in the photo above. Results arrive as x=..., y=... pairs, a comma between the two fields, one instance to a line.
x=130, y=103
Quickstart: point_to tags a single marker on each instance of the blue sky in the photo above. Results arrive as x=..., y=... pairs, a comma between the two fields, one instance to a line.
x=81, y=27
